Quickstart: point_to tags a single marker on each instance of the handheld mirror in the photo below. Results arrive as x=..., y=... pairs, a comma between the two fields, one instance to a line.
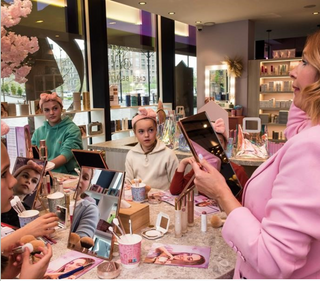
x=202, y=139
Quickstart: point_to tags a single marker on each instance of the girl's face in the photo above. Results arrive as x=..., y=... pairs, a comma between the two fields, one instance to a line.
x=7, y=181
x=86, y=174
x=146, y=133
x=28, y=180
x=52, y=111
x=187, y=257
x=74, y=264
x=303, y=75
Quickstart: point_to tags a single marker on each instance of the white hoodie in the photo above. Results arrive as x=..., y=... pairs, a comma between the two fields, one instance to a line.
x=155, y=169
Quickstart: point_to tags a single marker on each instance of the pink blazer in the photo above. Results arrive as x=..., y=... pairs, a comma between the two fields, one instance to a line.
x=277, y=232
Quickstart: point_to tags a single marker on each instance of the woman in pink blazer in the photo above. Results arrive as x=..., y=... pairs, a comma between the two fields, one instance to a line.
x=276, y=232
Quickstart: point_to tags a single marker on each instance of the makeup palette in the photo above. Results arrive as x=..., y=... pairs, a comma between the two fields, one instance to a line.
x=161, y=227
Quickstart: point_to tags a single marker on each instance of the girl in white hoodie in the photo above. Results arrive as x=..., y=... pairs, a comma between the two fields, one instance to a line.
x=150, y=160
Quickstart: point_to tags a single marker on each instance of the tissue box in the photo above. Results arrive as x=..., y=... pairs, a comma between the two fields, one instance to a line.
x=139, y=215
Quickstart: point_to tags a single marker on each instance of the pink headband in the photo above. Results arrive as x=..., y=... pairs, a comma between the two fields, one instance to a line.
x=219, y=127
x=4, y=128
x=44, y=97
x=30, y=165
x=144, y=113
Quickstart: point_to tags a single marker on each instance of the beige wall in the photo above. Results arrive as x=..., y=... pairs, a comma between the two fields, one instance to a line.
x=216, y=42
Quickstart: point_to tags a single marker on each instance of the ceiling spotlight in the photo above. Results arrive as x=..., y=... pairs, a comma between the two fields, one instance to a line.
x=315, y=13
x=57, y=36
x=39, y=21
x=142, y=3
x=199, y=21
x=171, y=13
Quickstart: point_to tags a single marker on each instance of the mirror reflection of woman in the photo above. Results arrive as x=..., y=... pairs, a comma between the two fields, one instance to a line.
x=86, y=214
x=71, y=265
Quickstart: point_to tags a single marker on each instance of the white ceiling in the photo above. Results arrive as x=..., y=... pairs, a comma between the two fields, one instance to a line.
x=286, y=18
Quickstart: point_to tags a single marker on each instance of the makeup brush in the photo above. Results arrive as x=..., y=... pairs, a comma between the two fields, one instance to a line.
x=21, y=249
x=116, y=222
x=27, y=238
x=130, y=226
x=216, y=221
x=115, y=234
x=69, y=273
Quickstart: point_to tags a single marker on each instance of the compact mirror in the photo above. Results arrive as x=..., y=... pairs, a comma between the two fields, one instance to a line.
x=28, y=173
x=161, y=227
x=202, y=139
x=97, y=203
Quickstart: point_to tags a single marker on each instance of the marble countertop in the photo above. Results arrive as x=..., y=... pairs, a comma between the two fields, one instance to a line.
x=222, y=257
x=248, y=161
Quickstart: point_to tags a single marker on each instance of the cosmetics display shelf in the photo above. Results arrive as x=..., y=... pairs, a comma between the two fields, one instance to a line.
x=270, y=89
x=276, y=124
x=277, y=140
x=128, y=112
x=80, y=117
x=274, y=108
x=276, y=93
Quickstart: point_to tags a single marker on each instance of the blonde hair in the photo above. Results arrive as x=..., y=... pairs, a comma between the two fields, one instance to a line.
x=311, y=94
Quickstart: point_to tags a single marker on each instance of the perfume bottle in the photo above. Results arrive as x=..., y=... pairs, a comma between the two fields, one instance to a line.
x=43, y=150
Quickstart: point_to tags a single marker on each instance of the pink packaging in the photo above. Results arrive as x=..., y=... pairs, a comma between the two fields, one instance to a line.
x=130, y=250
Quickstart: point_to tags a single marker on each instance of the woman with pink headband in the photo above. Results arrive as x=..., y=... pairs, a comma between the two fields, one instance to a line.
x=60, y=132
x=150, y=159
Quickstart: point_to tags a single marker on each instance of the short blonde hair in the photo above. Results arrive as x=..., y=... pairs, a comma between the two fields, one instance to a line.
x=311, y=94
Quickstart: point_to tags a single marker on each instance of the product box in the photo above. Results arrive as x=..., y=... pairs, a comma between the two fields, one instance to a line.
x=139, y=215
x=283, y=116
x=17, y=140
x=265, y=118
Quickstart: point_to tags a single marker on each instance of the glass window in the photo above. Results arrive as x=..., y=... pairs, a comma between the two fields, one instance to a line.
x=59, y=64
x=131, y=51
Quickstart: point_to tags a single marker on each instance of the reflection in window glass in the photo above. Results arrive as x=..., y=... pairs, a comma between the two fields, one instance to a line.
x=59, y=64
x=133, y=71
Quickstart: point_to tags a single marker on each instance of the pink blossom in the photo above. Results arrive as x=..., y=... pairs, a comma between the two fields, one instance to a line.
x=14, y=47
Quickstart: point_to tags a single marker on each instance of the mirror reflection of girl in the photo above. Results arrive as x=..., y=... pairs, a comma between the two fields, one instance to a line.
x=71, y=265
x=28, y=177
x=60, y=132
x=162, y=255
x=150, y=160
x=180, y=179
x=86, y=213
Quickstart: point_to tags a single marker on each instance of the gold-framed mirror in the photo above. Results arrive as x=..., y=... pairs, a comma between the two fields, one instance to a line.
x=97, y=203
x=28, y=173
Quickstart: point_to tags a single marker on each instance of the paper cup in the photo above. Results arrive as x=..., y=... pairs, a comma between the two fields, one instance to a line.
x=138, y=192
x=130, y=250
x=27, y=216
x=54, y=200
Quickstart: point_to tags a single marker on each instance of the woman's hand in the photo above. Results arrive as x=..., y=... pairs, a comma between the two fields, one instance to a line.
x=38, y=269
x=213, y=184
x=43, y=225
